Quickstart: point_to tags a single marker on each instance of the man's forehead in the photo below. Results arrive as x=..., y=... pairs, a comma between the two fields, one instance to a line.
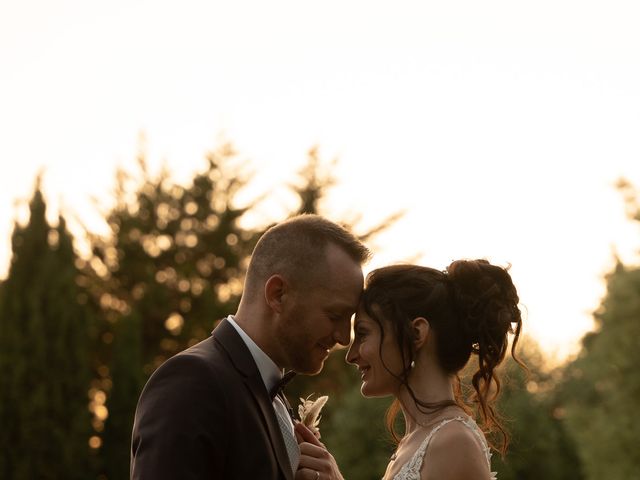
x=343, y=306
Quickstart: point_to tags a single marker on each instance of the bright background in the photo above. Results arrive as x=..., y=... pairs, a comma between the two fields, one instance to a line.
x=501, y=127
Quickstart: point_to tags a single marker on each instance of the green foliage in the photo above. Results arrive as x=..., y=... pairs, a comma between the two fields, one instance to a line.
x=128, y=383
x=603, y=386
x=176, y=253
x=347, y=415
x=172, y=266
x=44, y=367
x=540, y=446
x=355, y=432
x=312, y=185
x=314, y=180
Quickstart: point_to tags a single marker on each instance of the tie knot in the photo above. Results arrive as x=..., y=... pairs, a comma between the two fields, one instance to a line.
x=279, y=387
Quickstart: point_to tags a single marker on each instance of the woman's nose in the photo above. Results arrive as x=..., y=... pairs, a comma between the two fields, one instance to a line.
x=352, y=355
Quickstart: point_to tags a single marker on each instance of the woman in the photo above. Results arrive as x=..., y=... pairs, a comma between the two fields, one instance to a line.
x=415, y=330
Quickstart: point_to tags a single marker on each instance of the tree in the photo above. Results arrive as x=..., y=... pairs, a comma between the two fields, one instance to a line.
x=123, y=396
x=355, y=432
x=175, y=255
x=347, y=415
x=311, y=187
x=540, y=446
x=172, y=266
x=602, y=386
x=44, y=344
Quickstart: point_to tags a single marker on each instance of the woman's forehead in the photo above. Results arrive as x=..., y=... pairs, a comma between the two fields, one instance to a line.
x=363, y=317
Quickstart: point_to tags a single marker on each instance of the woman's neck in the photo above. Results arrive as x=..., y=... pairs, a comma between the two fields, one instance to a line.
x=429, y=387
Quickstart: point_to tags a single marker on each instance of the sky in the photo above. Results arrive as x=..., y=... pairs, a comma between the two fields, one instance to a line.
x=499, y=127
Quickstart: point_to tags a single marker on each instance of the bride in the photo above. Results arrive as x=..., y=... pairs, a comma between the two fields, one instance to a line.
x=415, y=330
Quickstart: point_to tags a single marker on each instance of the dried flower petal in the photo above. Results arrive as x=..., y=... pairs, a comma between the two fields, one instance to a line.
x=309, y=411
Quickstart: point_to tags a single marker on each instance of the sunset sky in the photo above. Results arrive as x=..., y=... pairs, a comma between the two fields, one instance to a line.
x=500, y=127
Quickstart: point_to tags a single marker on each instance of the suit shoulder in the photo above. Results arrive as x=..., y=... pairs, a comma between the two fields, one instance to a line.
x=198, y=367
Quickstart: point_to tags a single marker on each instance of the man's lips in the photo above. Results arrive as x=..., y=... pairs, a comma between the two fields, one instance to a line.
x=363, y=371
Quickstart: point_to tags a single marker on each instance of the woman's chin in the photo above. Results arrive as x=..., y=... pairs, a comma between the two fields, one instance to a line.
x=368, y=392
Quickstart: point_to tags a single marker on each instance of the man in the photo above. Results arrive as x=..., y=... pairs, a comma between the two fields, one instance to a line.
x=211, y=412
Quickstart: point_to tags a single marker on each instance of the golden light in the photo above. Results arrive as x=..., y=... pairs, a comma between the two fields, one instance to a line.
x=95, y=442
x=101, y=412
x=174, y=323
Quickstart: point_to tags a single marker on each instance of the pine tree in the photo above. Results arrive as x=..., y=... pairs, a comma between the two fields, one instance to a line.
x=529, y=407
x=44, y=342
x=176, y=256
x=350, y=417
x=172, y=267
x=124, y=394
x=602, y=385
x=312, y=186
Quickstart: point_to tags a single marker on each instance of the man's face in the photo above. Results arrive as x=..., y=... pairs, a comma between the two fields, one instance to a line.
x=314, y=319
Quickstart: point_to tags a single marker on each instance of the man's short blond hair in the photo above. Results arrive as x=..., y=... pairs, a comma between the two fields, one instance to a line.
x=296, y=249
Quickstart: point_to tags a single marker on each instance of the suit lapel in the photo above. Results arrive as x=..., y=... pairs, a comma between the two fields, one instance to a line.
x=227, y=336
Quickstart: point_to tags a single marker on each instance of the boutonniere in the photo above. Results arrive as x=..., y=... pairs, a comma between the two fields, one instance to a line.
x=309, y=412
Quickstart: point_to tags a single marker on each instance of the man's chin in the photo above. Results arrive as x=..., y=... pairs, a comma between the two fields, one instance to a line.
x=310, y=369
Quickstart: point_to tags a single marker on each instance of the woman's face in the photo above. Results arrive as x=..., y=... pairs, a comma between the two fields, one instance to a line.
x=365, y=353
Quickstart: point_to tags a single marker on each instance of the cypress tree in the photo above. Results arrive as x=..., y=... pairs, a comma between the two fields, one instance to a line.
x=44, y=373
x=603, y=387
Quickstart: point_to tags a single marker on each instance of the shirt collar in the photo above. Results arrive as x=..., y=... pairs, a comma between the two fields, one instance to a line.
x=269, y=371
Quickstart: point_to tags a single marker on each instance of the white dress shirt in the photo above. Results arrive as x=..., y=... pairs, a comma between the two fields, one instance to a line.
x=271, y=375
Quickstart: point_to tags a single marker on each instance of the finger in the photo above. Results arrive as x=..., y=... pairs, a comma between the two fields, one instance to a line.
x=307, y=474
x=307, y=435
x=314, y=458
x=311, y=450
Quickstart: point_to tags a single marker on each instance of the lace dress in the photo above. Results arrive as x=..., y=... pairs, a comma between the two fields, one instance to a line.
x=411, y=469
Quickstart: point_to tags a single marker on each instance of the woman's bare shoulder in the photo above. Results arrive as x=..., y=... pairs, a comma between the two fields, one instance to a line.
x=455, y=453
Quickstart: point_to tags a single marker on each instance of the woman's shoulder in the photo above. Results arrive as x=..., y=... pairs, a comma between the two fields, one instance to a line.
x=457, y=451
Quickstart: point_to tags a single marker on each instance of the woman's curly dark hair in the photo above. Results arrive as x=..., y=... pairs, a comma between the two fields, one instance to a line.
x=471, y=307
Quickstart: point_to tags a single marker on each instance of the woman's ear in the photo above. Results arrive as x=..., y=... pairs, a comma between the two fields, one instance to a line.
x=421, y=328
x=274, y=292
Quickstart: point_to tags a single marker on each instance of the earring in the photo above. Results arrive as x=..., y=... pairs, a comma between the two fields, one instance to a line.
x=413, y=364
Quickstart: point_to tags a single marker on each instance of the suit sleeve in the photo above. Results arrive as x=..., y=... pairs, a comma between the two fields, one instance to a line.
x=180, y=423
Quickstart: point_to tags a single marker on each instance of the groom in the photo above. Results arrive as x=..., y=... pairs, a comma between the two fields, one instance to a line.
x=213, y=410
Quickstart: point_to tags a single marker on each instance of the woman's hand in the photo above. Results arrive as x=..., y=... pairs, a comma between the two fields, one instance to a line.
x=316, y=463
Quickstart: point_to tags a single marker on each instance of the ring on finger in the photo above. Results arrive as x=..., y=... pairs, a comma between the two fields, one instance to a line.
x=317, y=475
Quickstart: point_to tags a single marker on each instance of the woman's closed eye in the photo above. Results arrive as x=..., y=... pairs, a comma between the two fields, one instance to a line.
x=361, y=333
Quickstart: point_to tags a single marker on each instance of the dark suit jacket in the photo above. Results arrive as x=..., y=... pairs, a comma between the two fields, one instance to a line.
x=205, y=414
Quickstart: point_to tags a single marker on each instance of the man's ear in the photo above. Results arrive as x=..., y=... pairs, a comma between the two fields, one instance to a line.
x=421, y=328
x=274, y=291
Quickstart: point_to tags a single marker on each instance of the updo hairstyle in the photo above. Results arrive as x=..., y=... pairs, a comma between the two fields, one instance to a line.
x=471, y=308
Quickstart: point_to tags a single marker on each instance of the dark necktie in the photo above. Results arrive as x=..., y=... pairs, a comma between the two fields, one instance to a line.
x=278, y=391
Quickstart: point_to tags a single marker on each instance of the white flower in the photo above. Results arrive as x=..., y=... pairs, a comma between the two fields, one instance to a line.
x=309, y=412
